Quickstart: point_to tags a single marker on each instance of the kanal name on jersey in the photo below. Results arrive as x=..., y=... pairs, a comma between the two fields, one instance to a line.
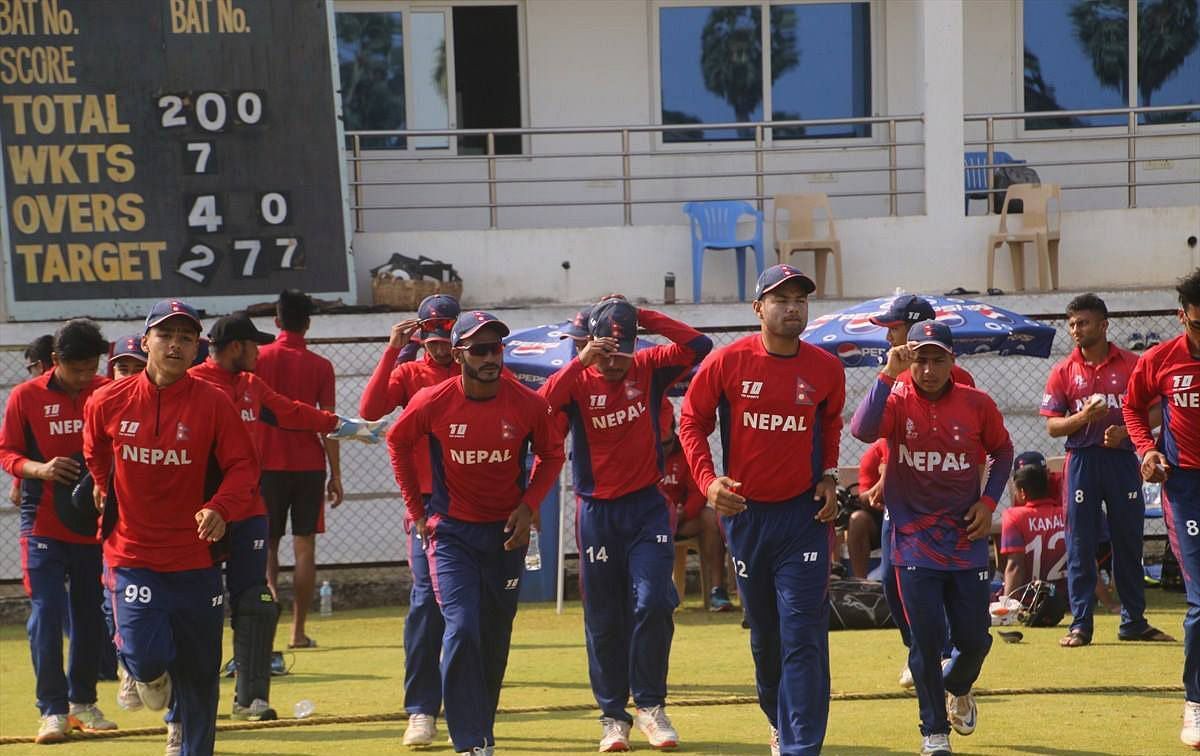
x=480, y=456
x=934, y=461
x=620, y=417
x=770, y=421
x=151, y=456
x=1046, y=524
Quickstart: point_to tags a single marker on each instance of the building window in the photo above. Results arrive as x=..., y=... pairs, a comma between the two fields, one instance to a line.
x=431, y=68
x=713, y=70
x=1077, y=57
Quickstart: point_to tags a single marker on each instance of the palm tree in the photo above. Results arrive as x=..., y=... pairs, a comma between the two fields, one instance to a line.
x=731, y=55
x=1102, y=28
x=1039, y=96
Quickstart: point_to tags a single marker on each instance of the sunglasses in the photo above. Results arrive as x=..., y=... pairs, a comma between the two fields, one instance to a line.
x=437, y=324
x=483, y=350
x=33, y=368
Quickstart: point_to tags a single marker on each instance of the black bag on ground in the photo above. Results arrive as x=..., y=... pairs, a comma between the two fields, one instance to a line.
x=856, y=604
x=1004, y=177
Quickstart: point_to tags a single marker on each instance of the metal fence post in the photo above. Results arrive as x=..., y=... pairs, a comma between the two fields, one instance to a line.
x=759, y=185
x=358, y=213
x=626, y=184
x=1130, y=157
x=491, y=166
x=991, y=158
x=893, y=198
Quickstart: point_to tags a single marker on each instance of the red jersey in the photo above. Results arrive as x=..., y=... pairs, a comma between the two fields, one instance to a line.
x=1037, y=533
x=42, y=422
x=868, y=465
x=289, y=368
x=680, y=489
x=936, y=452
x=163, y=455
x=1073, y=381
x=615, y=426
x=1170, y=375
x=781, y=418
x=478, y=450
x=393, y=386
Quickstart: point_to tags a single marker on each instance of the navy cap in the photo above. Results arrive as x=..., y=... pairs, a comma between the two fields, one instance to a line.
x=237, y=326
x=171, y=308
x=907, y=309
x=129, y=346
x=579, y=327
x=74, y=505
x=471, y=321
x=777, y=275
x=932, y=332
x=618, y=319
x=437, y=313
x=1024, y=459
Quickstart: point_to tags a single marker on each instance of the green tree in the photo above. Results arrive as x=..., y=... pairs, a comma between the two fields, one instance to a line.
x=731, y=55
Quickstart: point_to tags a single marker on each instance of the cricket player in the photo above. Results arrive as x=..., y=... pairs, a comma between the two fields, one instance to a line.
x=780, y=403
x=1168, y=376
x=940, y=435
x=612, y=395
x=475, y=525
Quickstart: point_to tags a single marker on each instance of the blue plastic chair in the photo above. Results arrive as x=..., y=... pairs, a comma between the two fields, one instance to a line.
x=975, y=179
x=714, y=226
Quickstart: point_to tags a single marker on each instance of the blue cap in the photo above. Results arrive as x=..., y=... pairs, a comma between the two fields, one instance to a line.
x=907, y=309
x=471, y=321
x=777, y=275
x=129, y=346
x=932, y=332
x=437, y=314
x=618, y=319
x=579, y=328
x=171, y=308
x=1025, y=459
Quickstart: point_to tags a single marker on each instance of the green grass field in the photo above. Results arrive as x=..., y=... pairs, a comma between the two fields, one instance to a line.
x=359, y=670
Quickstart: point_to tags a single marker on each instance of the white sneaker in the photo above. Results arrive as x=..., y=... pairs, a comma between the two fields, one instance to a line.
x=614, y=735
x=53, y=729
x=421, y=730
x=656, y=726
x=936, y=745
x=258, y=711
x=127, y=694
x=156, y=694
x=487, y=751
x=89, y=718
x=906, y=679
x=774, y=741
x=1190, y=734
x=962, y=712
x=174, y=739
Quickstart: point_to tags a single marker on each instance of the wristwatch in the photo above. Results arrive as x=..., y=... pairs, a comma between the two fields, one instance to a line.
x=832, y=473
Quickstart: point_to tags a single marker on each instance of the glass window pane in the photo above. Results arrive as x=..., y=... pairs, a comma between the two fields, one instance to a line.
x=371, y=64
x=711, y=69
x=821, y=67
x=1076, y=58
x=1168, y=57
x=431, y=109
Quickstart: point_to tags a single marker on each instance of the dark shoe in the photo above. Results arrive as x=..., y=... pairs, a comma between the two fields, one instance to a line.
x=959, y=291
x=306, y=643
x=1149, y=635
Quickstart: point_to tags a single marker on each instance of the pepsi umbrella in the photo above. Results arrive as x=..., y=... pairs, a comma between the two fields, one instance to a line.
x=978, y=327
x=535, y=354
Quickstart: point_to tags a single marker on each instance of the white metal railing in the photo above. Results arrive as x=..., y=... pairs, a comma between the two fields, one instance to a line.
x=758, y=151
x=1130, y=134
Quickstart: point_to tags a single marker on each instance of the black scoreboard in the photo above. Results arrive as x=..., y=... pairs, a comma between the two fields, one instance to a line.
x=157, y=148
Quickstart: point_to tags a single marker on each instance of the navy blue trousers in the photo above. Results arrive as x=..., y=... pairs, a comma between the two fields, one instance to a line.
x=626, y=558
x=1181, y=508
x=1096, y=474
x=931, y=599
x=172, y=622
x=48, y=566
x=477, y=586
x=423, y=629
x=781, y=558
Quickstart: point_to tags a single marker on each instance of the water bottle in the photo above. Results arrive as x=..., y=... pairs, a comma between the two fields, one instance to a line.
x=533, y=557
x=305, y=708
x=326, y=599
x=669, y=289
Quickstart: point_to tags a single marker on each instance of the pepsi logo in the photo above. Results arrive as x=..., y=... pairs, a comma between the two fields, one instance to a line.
x=860, y=324
x=995, y=326
x=850, y=354
x=988, y=312
x=531, y=348
x=951, y=319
